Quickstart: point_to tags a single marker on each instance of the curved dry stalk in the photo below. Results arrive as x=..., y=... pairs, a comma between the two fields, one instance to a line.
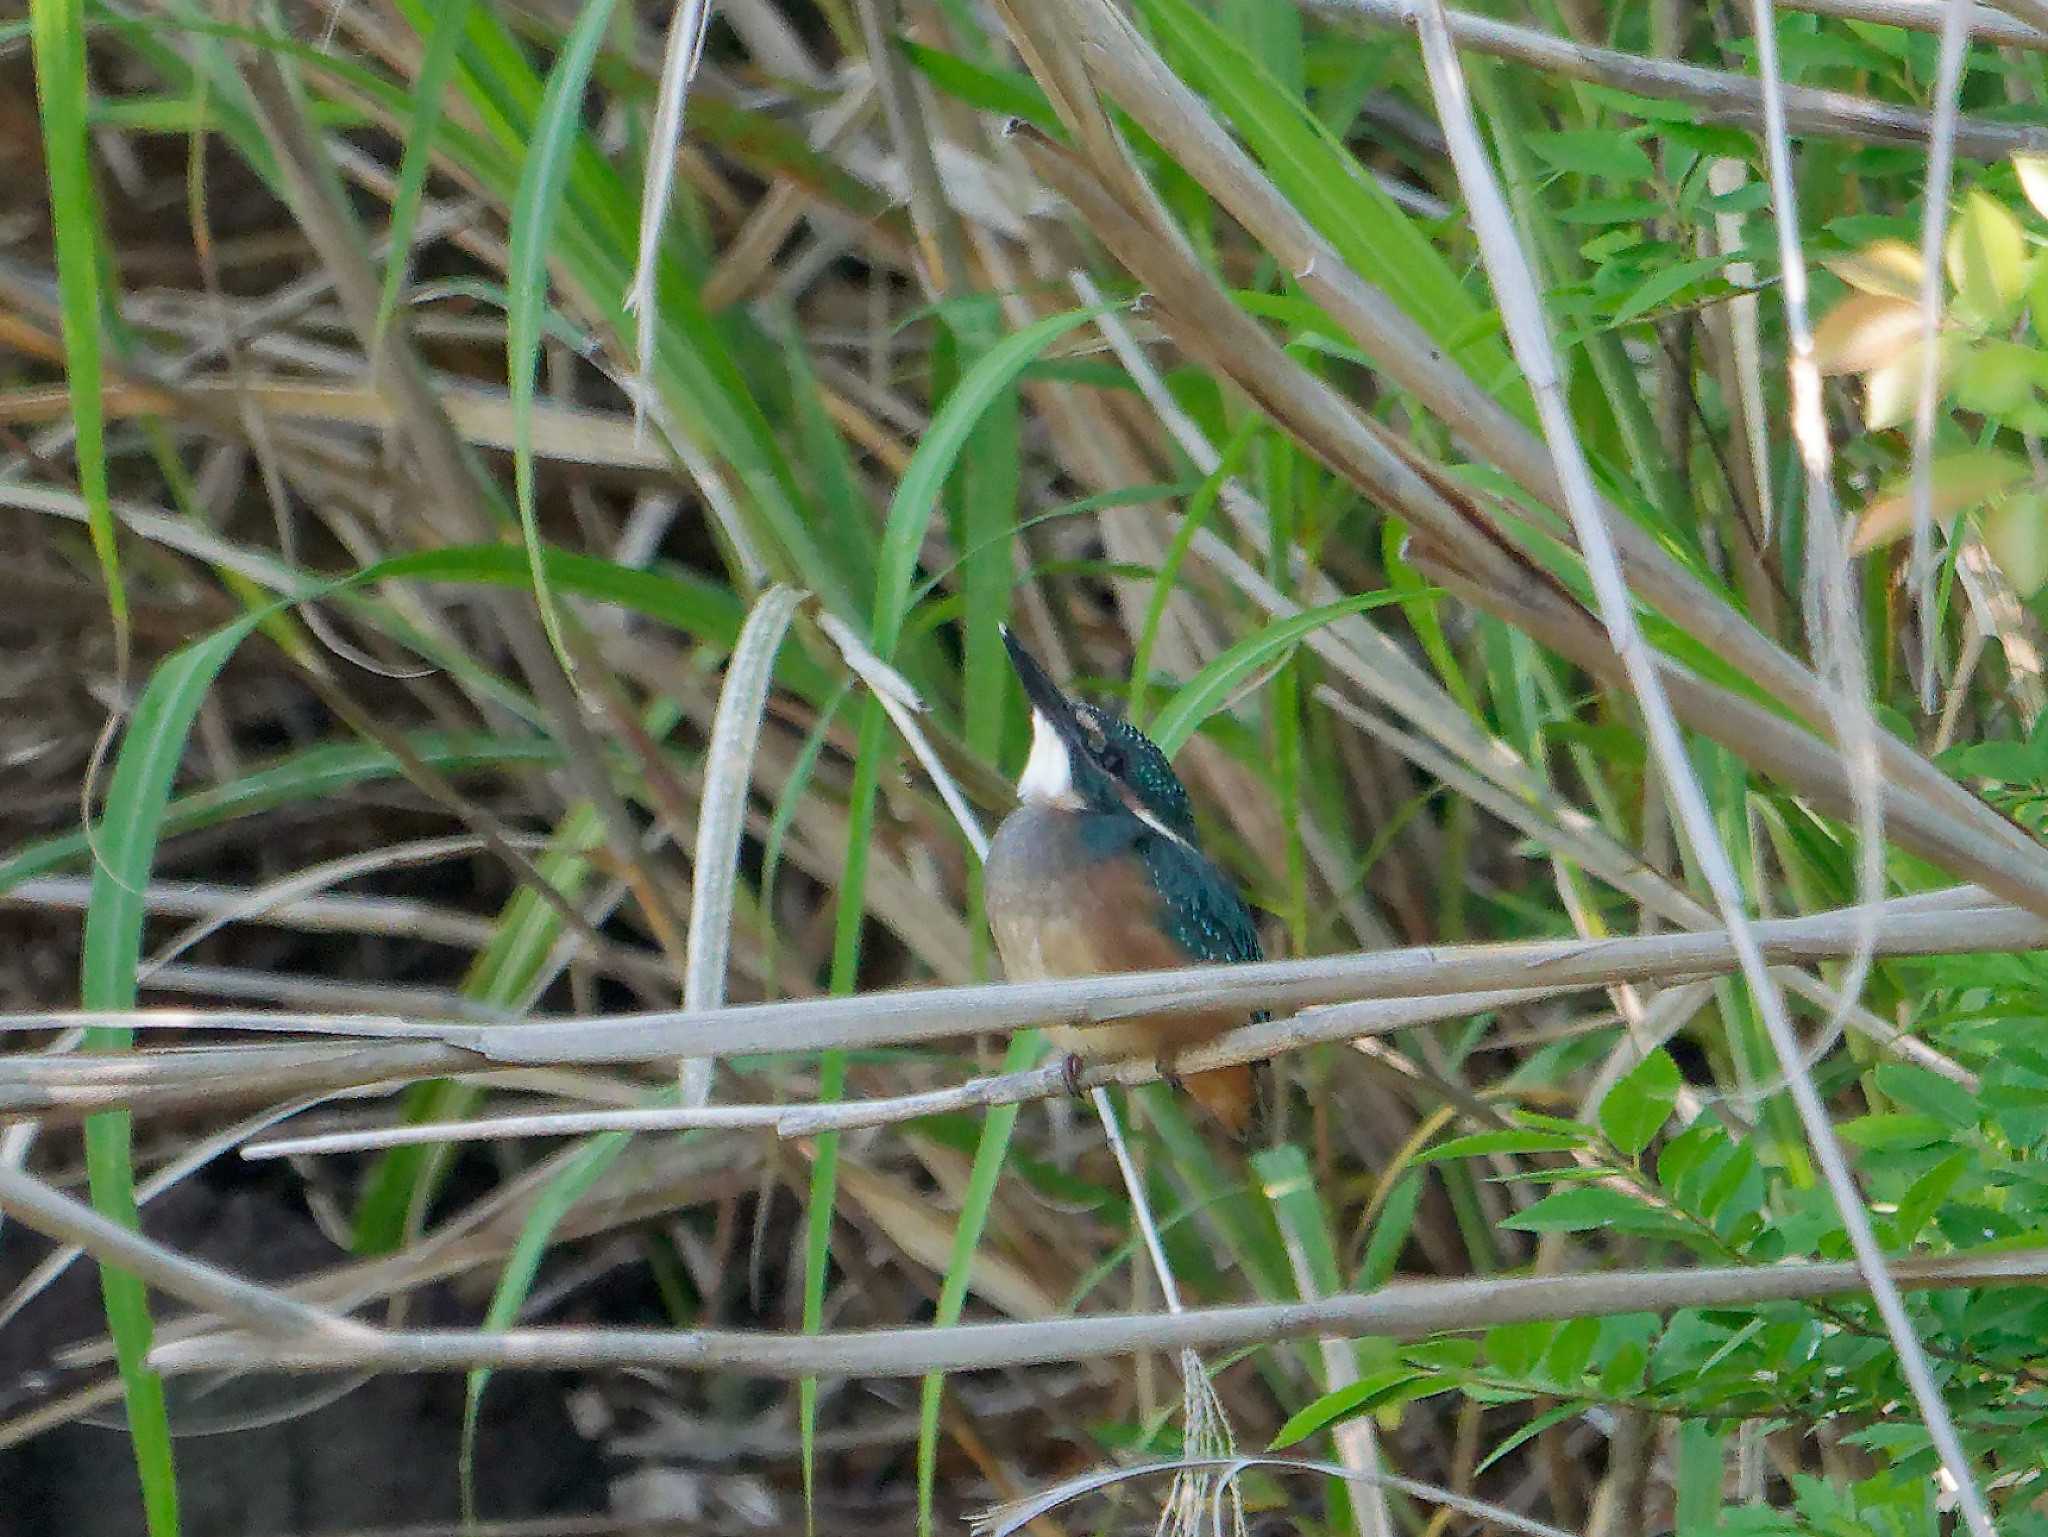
x=1005, y=1519
x=902, y=703
x=1401, y=1311
x=688, y=26
x=1516, y=291
x=722, y=810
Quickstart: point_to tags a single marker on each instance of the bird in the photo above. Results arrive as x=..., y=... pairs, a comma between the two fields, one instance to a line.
x=1099, y=870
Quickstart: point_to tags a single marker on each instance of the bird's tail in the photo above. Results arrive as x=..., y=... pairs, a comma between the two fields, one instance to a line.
x=1227, y=1094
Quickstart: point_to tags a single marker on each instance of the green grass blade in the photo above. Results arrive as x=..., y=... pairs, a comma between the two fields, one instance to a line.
x=57, y=32
x=502, y=974
x=989, y=1153
x=1206, y=692
x=137, y=797
x=1005, y=93
x=917, y=494
x=315, y=773
x=430, y=88
x=583, y=1169
x=1193, y=521
x=873, y=750
x=534, y=206
x=984, y=520
x=1322, y=178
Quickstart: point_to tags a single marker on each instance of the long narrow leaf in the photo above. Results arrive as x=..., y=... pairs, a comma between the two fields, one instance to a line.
x=1206, y=692
x=974, y=1208
x=57, y=29
x=541, y=183
x=430, y=87
x=917, y=494
x=137, y=797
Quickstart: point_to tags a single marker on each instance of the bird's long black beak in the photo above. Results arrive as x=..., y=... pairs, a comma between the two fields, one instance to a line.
x=1044, y=694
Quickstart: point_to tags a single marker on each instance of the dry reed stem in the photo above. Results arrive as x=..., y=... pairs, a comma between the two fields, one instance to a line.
x=373, y=1050
x=1722, y=97
x=1401, y=1310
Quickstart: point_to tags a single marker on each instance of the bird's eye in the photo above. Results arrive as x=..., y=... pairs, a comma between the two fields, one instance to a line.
x=1113, y=762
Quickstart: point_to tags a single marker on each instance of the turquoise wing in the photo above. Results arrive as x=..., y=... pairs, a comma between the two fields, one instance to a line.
x=1200, y=906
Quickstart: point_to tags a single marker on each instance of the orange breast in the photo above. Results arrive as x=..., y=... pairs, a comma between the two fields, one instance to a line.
x=1057, y=911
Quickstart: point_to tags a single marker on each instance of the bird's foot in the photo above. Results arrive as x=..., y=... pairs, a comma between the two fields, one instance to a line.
x=1169, y=1072
x=1070, y=1073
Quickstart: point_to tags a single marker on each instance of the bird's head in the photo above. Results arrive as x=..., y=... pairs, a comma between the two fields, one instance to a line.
x=1086, y=759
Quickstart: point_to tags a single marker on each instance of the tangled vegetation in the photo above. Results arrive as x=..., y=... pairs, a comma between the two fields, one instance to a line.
x=512, y=509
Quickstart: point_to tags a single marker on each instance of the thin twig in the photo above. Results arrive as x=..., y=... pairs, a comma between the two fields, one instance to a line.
x=1957, y=921
x=55, y=1215
x=1403, y=1310
x=1721, y=96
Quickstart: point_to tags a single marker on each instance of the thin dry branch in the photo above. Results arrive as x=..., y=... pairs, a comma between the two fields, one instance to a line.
x=1721, y=97
x=1986, y=24
x=1404, y=1310
x=385, y=1050
x=1248, y=1043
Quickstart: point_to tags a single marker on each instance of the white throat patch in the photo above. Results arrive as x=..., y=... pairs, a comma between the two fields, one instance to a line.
x=1048, y=777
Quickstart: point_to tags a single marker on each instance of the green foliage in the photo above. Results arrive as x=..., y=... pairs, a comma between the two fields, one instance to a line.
x=1636, y=1108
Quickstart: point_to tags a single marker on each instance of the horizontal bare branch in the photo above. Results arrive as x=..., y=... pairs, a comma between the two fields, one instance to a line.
x=932, y=1014
x=1986, y=25
x=1720, y=96
x=1404, y=1310
x=1957, y=922
x=212, y=1077
x=1248, y=1043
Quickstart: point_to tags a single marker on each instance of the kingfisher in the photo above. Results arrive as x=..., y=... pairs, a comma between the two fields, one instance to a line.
x=1099, y=870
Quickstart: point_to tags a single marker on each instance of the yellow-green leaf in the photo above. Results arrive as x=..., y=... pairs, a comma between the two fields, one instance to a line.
x=1863, y=332
x=1889, y=392
x=1888, y=268
x=1987, y=256
x=2033, y=174
x=1996, y=377
x=1961, y=480
x=2016, y=534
